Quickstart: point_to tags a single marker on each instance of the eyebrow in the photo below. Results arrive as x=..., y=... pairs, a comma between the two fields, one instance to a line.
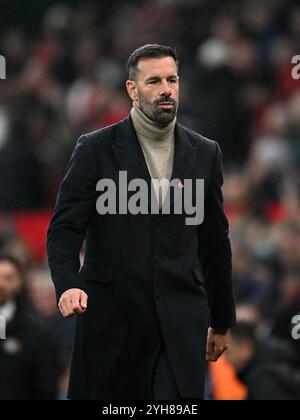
x=173, y=76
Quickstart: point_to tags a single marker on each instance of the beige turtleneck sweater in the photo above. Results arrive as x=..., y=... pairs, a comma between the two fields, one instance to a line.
x=158, y=148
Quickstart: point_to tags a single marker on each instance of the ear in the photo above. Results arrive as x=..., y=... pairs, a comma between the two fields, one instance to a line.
x=132, y=89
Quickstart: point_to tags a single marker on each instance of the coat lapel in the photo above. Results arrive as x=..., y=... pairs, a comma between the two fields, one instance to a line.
x=128, y=152
x=184, y=160
x=130, y=157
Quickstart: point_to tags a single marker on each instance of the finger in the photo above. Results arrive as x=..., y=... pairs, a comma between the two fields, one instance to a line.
x=211, y=359
x=76, y=307
x=210, y=348
x=217, y=354
x=68, y=305
x=64, y=309
x=78, y=310
x=83, y=300
x=61, y=310
x=222, y=351
x=75, y=299
x=214, y=357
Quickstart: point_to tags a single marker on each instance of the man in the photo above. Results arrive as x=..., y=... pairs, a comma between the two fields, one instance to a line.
x=267, y=368
x=29, y=362
x=143, y=310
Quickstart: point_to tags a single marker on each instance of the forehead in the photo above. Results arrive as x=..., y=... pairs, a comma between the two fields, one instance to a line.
x=7, y=268
x=161, y=67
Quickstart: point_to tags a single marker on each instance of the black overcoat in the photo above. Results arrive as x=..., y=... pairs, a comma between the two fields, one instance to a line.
x=149, y=277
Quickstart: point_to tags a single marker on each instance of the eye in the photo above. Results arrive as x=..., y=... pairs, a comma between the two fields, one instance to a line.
x=153, y=82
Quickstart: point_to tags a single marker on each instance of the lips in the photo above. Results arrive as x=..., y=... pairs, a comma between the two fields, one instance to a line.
x=166, y=105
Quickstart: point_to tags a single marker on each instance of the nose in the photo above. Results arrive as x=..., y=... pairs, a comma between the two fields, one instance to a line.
x=165, y=89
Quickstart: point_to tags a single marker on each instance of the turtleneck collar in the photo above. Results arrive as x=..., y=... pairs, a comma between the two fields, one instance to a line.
x=147, y=128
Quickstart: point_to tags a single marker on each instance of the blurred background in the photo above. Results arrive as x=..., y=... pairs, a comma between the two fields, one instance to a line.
x=65, y=68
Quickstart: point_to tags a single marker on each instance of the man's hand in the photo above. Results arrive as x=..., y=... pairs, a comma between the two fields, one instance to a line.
x=217, y=343
x=73, y=301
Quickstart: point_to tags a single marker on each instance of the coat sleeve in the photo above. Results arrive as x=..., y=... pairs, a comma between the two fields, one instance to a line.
x=215, y=251
x=76, y=203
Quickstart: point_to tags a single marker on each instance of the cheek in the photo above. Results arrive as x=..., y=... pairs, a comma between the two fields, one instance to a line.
x=15, y=287
x=176, y=93
x=147, y=97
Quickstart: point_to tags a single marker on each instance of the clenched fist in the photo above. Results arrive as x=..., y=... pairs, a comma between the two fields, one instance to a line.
x=217, y=343
x=73, y=301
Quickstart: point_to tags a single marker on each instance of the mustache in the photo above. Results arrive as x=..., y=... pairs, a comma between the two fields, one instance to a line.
x=165, y=99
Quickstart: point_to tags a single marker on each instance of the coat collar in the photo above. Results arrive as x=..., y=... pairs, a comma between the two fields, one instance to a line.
x=130, y=157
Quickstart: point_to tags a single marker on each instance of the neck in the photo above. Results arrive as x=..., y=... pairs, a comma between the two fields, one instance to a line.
x=146, y=127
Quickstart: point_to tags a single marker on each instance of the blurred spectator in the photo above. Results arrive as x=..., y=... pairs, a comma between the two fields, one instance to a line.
x=29, y=362
x=250, y=314
x=21, y=176
x=265, y=367
x=288, y=308
x=42, y=298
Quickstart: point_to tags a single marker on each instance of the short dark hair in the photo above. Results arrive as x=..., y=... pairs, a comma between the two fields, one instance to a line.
x=148, y=51
x=243, y=331
x=14, y=262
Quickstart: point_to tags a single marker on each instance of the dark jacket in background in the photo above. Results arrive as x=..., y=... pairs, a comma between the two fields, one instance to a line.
x=271, y=374
x=29, y=361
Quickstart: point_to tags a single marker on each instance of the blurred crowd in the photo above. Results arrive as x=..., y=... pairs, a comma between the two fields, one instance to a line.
x=66, y=77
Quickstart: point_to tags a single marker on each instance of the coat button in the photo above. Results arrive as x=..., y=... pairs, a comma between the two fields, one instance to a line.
x=158, y=297
x=161, y=223
x=158, y=260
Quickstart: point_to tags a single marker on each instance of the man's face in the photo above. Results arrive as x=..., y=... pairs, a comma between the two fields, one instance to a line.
x=239, y=354
x=10, y=281
x=156, y=89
